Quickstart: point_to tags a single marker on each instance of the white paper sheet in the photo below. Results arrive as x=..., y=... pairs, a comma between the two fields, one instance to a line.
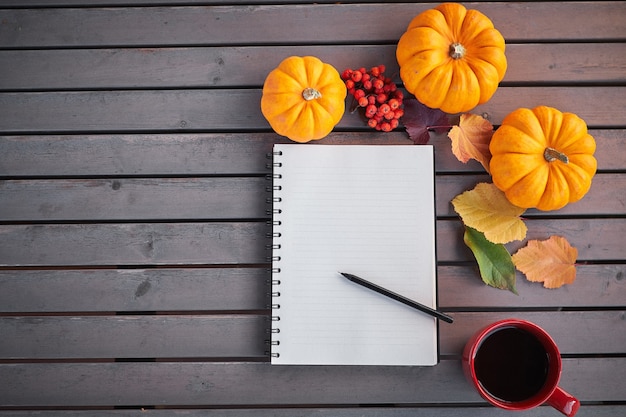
x=365, y=210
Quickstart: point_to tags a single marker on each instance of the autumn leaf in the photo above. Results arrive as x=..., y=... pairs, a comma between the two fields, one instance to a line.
x=551, y=261
x=418, y=119
x=486, y=209
x=470, y=139
x=494, y=261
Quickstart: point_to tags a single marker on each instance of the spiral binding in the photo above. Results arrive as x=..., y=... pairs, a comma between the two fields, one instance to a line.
x=272, y=201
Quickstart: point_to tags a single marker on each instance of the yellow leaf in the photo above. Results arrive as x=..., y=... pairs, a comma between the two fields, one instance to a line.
x=550, y=261
x=486, y=209
x=470, y=139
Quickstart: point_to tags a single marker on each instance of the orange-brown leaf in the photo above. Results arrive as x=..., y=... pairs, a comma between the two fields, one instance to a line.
x=549, y=261
x=470, y=139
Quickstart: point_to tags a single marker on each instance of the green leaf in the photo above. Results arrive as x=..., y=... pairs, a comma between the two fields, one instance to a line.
x=494, y=260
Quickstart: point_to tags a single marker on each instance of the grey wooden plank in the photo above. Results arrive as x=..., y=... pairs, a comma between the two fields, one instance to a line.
x=134, y=243
x=204, y=67
x=162, y=289
x=595, y=286
x=189, y=289
x=576, y=332
x=222, y=198
x=595, y=239
x=192, y=336
x=244, y=243
x=244, y=336
x=223, y=289
x=247, y=384
x=59, y=3
x=134, y=199
x=154, y=154
x=226, y=67
x=323, y=23
x=575, y=100
x=239, y=110
x=220, y=153
x=607, y=195
x=587, y=410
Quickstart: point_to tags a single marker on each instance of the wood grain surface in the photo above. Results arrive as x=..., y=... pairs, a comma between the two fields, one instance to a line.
x=134, y=271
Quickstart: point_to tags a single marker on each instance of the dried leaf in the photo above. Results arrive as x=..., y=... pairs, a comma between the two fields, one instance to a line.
x=418, y=119
x=494, y=261
x=551, y=261
x=486, y=209
x=470, y=139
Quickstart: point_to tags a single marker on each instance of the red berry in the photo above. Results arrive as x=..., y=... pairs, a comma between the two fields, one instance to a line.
x=394, y=104
x=390, y=115
x=398, y=94
x=349, y=84
x=381, y=68
x=362, y=70
x=372, y=122
x=385, y=127
x=367, y=84
x=359, y=93
x=378, y=83
x=356, y=76
x=371, y=99
x=384, y=108
x=363, y=101
x=365, y=77
x=375, y=71
x=398, y=113
x=370, y=110
x=394, y=123
x=346, y=74
x=381, y=98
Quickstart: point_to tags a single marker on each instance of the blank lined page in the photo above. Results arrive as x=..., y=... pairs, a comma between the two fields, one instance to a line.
x=366, y=210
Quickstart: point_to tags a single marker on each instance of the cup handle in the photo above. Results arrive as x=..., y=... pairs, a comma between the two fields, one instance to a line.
x=564, y=402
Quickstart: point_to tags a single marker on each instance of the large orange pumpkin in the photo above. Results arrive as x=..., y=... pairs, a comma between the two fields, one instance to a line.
x=542, y=158
x=451, y=58
x=303, y=98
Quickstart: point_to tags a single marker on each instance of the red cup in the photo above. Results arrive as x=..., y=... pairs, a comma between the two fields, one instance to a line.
x=515, y=365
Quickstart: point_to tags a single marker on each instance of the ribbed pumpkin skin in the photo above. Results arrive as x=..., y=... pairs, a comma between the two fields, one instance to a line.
x=519, y=166
x=436, y=78
x=287, y=110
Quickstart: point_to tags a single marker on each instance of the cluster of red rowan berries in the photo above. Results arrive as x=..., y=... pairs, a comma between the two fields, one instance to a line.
x=377, y=95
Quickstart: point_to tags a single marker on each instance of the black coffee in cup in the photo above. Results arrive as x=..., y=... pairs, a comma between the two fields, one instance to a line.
x=511, y=364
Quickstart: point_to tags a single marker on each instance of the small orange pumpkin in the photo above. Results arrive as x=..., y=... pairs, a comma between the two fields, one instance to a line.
x=451, y=58
x=303, y=98
x=542, y=158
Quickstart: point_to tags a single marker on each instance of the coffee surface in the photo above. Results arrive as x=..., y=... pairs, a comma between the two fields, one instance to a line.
x=511, y=364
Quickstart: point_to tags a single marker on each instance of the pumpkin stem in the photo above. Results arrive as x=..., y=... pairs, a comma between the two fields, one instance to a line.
x=456, y=50
x=311, y=94
x=551, y=155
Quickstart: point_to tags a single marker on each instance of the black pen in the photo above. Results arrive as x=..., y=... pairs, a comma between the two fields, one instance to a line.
x=398, y=297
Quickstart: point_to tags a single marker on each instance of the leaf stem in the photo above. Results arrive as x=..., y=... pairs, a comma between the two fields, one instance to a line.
x=439, y=127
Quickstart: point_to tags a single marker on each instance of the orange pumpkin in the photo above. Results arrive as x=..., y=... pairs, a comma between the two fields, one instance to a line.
x=451, y=58
x=542, y=158
x=303, y=98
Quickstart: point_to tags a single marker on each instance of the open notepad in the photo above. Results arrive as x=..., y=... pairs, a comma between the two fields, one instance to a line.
x=366, y=210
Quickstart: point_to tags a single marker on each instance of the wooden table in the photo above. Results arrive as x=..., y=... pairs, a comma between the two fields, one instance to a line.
x=133, y=257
